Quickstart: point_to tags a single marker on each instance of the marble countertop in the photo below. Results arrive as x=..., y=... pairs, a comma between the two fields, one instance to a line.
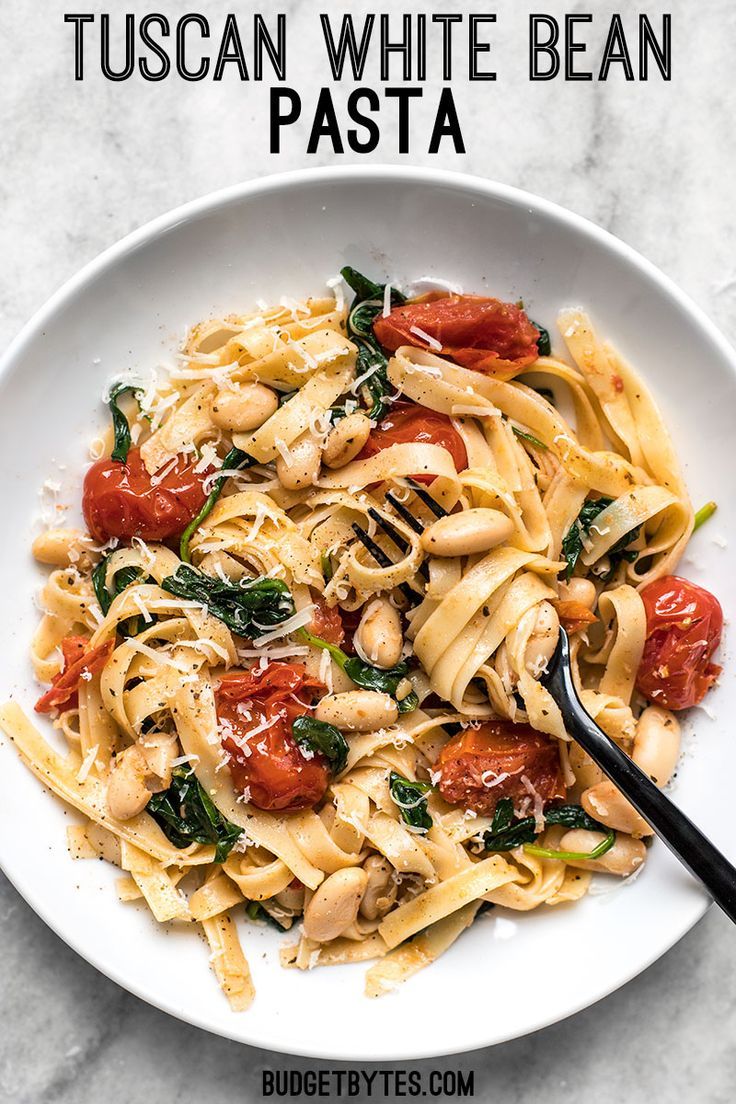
x=83, y=164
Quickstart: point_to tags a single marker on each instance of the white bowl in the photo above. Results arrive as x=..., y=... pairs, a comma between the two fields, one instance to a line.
x=286, y=235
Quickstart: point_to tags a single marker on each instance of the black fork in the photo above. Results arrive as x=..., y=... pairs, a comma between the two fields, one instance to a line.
x=395, y=536
x=694, y=850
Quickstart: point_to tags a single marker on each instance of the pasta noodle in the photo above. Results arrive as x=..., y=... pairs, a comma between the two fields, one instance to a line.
x=310, y=692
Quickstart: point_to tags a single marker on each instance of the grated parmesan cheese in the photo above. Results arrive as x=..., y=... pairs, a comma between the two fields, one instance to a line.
x=431, y=341
x=87, y=764
x=296, y=621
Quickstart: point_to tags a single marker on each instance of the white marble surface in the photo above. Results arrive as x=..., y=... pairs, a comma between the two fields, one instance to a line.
x=80, y=166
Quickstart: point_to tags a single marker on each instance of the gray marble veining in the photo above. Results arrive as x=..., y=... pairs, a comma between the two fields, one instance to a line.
x=83, y=164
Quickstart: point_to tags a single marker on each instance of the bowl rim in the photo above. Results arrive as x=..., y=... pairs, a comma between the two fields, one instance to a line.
x=288, y=181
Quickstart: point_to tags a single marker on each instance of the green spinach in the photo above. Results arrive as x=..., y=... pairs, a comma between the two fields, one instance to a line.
x=123, y=578
x=523, y=436
x=186, y=815
x=365, y=675
x=249, y=608
x=572, y=543
x=235, y=459
x=544, y=344
x=507, y=831
x=318, y=736
x=411, y=798
x=121, y=429
x=365, y=308
x=254, y=910
x=703, y=514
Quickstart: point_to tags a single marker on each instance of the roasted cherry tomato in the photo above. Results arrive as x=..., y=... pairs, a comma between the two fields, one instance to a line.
x=407, y=423
x=684, y=624
x=256, y=710
x=123, y=500
x=78, y=662
x=327, y=623
x=480, y=766
x=484, y=334
x=573, y=615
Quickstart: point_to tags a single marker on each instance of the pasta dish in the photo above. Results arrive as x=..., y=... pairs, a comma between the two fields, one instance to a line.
x=295, y=658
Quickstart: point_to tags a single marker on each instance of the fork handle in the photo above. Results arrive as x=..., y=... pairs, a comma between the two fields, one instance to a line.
x=694, y=850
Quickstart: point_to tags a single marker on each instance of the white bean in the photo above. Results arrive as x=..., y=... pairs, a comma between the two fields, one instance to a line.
x=127, y=792
x=245, y=408
x=345, y=440
x=579, y=590
x=334, y=905
x=657, y=743
x=63, y=548
x=543, y=639
x=623, y=858
x=302, y=467
x=608, y=805
x=381, y=888
x=465, y=533
x=378, y=637
x=357, y=710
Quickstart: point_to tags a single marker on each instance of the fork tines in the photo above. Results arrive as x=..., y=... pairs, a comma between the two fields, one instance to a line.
x=420, y=492
x=381, y=558
x=395, y=536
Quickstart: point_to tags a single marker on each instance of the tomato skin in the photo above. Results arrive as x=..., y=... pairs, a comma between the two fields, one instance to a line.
x=276, y=773
x=77, y=661
x=407, y=423
x=484, y=334
x=327, y=623
x=684, y=625
x=121, y=500
x=500, y=747
x=574, y=616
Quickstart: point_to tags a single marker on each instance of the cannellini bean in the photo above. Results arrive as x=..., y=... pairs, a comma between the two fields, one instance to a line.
x=245, y=408
x=127, y=792
x=334, y=905
x=608, y=805
x=470, y=531
x=357, y=710
x=624, y=857
x=579, y=590
x=657, y=743
x=381, y=888
x=345, y=440
x=302, y=468
x=63, y=548
x=378, y=636
x=543, y=639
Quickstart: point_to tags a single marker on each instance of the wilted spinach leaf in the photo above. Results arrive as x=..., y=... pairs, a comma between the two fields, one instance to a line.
x=365, y=675
x=366, y=306
x=187, y=815
x=236, y=458
x=411, y=798
x=572, y=543
x=249, y=608
x=318, y=736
